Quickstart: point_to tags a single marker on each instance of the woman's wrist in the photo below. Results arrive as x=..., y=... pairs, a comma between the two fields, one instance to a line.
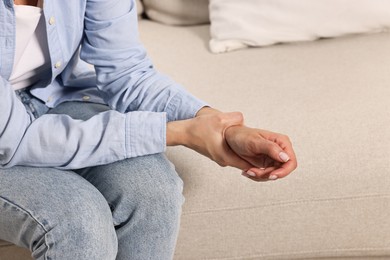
x=177, y=132
x=207, y=111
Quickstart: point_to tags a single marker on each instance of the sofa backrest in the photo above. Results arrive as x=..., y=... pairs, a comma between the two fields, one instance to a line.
x=176, y=12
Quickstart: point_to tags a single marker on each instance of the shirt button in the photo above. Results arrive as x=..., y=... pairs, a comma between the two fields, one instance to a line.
x=86, y=98
x=52, y=20
x=57, y=65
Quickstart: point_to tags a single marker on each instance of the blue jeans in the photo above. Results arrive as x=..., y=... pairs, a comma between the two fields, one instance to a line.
x=126, y=210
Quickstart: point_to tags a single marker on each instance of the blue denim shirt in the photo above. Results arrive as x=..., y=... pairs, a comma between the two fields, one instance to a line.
x=96, y=56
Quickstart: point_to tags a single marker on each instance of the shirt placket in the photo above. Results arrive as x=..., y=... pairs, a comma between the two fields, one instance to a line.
x=54, y=44
x=7, y=38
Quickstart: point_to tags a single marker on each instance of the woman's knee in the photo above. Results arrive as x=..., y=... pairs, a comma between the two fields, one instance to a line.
x=85, y=227
x=56, y=214
x=161, y=185
x=147, y=184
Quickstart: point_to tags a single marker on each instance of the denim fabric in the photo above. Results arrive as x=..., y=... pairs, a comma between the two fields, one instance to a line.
x=129, y=209
x=34, y=107
x=96, y=56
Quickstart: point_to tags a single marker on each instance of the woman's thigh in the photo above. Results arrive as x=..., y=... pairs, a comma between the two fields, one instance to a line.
x=133, y=182
x=55, y=212
x=145, y=196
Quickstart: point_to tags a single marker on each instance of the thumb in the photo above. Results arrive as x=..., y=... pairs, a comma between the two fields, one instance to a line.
x=274, y=151
x=236, y=161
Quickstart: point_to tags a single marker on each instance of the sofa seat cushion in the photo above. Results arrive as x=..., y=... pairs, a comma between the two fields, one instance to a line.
x=331, y=98
x=9, y=251
x=4, y=243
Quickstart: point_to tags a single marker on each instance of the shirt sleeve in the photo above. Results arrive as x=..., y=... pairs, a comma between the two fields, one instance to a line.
x=63, y=142
x=125, y=74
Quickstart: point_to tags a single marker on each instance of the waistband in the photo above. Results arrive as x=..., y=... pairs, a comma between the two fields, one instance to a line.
x=35, y=107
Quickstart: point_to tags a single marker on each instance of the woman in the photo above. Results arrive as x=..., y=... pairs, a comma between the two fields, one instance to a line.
x=83, y=175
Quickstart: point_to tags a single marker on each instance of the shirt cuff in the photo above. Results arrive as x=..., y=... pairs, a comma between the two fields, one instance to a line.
x=145, y=133
x=184, y=106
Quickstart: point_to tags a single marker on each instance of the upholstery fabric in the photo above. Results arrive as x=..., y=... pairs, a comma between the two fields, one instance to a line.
x=331, y=98
x=239, y=24
x=140, y=7
x=11, y=252
x=178, y=12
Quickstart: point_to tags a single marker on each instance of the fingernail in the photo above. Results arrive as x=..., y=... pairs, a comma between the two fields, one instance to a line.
x=284, y=157
x=272, y=177
x=250, y=173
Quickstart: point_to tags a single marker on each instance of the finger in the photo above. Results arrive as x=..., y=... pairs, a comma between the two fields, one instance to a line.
x=273, y=150
x=268, y=162
x=258, y=179
x=276, y=169
x=257, y=161
x=238, y=163
x=262, y=178
x=232, y=159
x=285, y=143
x=260, y=172
x=262, y=161
x=284, y=170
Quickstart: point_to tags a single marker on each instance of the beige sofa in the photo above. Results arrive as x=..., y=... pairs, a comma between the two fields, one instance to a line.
x=332, y=98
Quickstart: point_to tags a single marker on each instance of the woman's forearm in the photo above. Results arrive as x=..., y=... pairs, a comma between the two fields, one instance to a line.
x=178, y=132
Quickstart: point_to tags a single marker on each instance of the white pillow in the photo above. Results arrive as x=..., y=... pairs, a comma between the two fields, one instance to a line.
x=239, y=24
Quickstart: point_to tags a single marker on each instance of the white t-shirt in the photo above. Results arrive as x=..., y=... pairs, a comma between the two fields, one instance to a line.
x=32, y=60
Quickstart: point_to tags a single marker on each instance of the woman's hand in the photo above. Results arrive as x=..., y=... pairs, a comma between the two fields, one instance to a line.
x=270, y=153
x=223, y=138
x=205, y=134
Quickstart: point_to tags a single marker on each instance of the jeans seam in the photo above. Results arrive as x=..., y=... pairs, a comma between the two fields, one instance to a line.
x=26, y=212
x=45, y=231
